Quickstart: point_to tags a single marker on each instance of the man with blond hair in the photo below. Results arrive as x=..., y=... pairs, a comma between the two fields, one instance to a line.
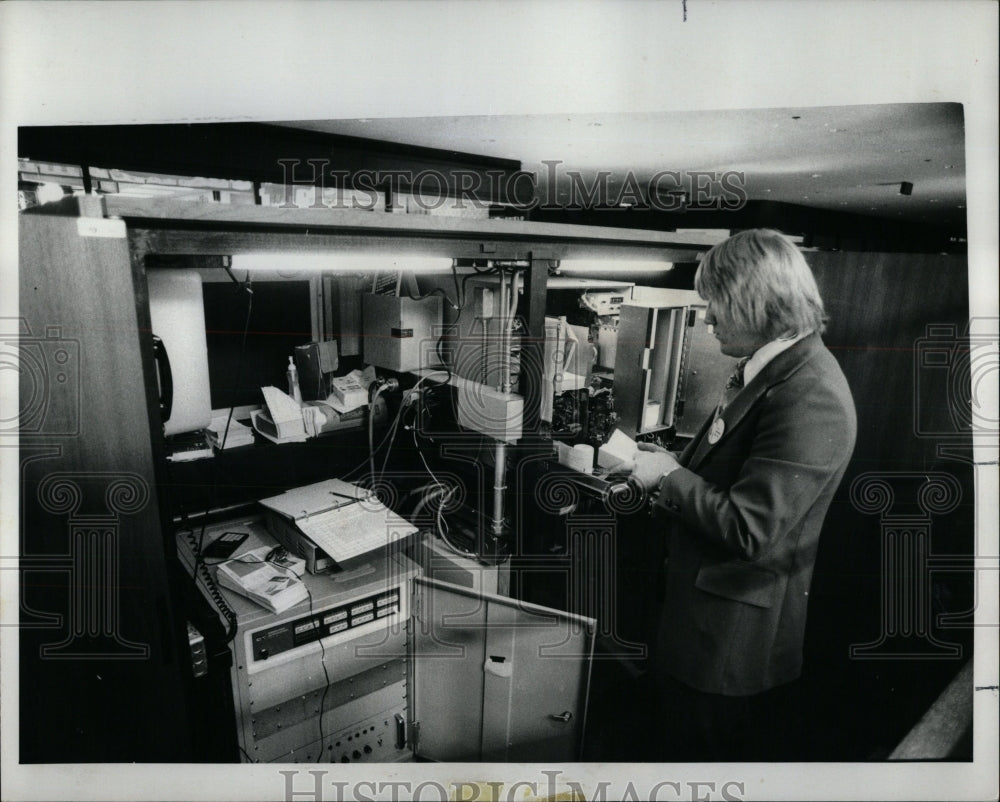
x=743, y=506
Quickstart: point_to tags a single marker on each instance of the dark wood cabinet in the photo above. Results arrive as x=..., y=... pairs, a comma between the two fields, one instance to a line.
x=101, y=666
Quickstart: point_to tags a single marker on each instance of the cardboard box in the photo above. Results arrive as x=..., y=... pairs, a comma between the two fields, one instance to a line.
x=401, y=334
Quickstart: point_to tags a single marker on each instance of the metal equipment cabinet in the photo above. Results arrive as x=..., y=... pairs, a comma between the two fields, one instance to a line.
x=668, y=369
x=383, y=665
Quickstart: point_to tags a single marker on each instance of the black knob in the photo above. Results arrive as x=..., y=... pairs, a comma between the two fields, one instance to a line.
x=356, y=755
x=368, y=749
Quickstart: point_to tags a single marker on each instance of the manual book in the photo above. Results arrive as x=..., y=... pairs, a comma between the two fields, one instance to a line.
x=269, y=584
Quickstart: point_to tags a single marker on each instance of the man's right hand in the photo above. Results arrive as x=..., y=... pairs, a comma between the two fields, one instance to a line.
x=652, y=447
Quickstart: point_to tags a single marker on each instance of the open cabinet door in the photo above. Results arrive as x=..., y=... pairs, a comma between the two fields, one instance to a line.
x=495, y=679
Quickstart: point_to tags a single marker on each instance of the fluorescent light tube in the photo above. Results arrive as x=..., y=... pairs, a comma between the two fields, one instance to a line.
x=606, y=266
x=339, y=262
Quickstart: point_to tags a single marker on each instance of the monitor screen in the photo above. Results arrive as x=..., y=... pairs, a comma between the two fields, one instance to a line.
x=280, y=319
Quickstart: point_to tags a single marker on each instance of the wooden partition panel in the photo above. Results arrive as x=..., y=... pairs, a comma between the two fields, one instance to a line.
x=886, y=311
x=101, y=671
x=881, y=307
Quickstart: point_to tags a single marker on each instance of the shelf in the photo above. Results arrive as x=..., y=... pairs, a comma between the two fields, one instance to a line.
x=167, y=223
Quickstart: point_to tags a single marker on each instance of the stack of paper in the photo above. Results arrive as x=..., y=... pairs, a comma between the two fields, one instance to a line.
x=351, y=391
x=619, y=449
x=188, y=446
x=238, y=434
x=318, y=417
x=266, y=583
x=281, y=420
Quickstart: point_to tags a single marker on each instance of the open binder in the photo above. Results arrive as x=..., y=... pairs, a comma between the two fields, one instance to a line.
x=333, y=522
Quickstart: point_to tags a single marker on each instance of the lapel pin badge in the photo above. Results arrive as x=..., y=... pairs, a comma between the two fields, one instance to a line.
x=717, y=430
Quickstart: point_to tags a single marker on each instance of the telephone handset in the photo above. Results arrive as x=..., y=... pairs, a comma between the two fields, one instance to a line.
x=202, y=574
x=164, y=378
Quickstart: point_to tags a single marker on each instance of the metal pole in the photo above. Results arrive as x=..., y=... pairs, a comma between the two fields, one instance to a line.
x=499, y=474
x=504, y=337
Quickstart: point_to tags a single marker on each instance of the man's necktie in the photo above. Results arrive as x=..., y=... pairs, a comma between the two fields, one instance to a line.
x=734, y=384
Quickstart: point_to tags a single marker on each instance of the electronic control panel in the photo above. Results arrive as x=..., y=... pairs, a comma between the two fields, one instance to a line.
x=603, y=303
x=274, y=640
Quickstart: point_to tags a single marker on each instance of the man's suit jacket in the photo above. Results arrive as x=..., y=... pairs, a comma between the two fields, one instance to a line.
x=744, y=519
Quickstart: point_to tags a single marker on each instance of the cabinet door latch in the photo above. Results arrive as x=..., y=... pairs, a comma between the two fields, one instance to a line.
x=199, y=658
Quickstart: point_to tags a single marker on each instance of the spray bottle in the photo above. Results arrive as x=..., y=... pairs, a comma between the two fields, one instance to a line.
x=293, y=381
